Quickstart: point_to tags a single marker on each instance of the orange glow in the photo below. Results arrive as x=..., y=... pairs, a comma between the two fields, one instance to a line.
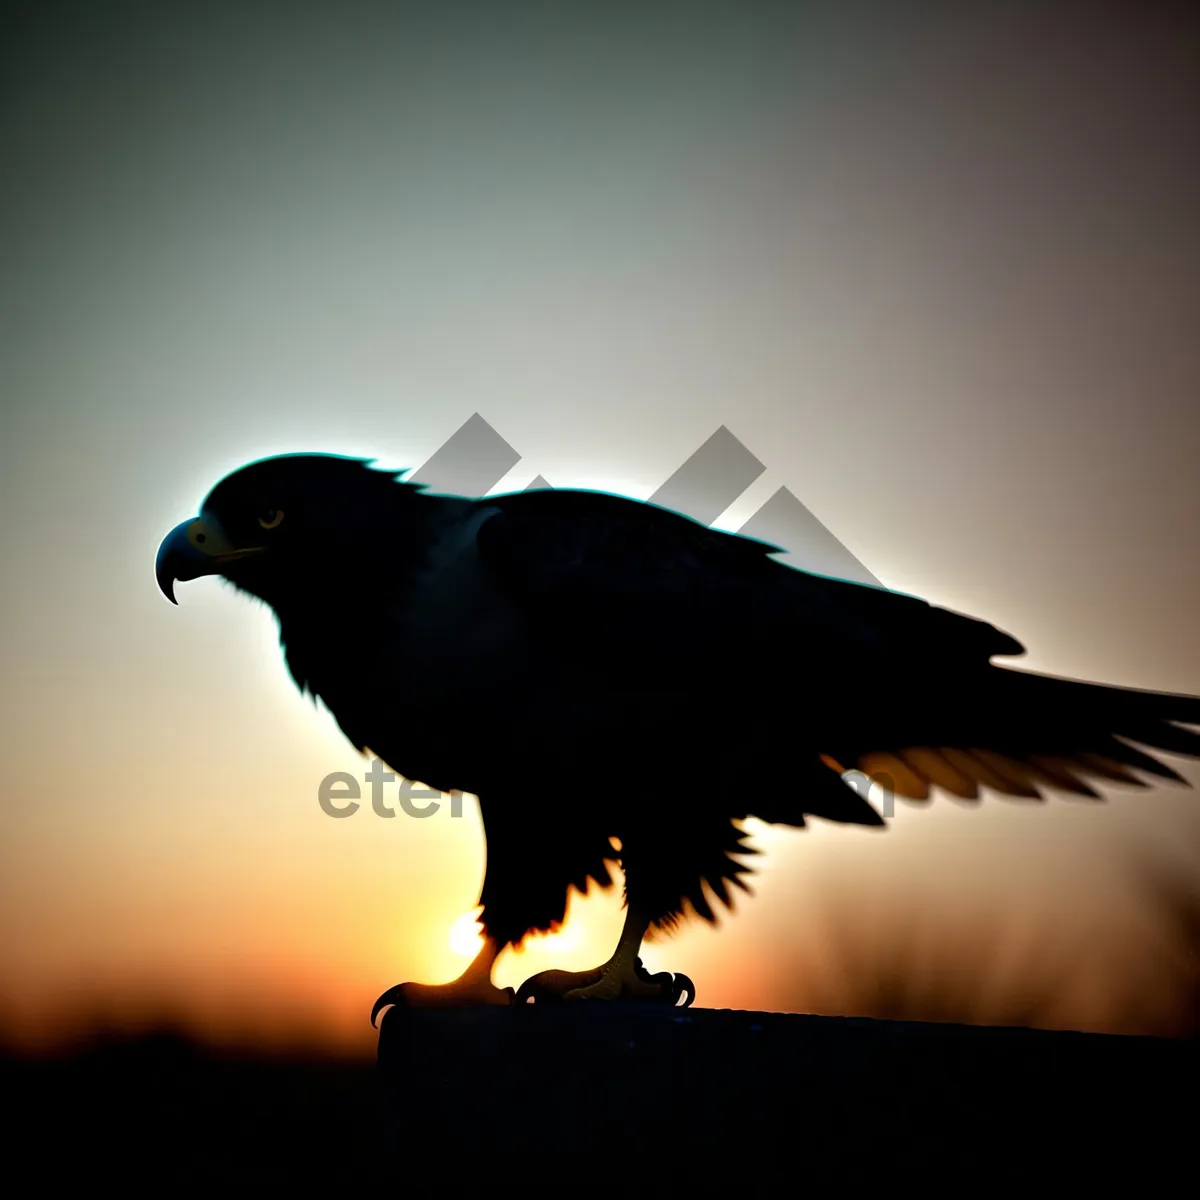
x=466, y=935
x=986, y=392
x=272, y=961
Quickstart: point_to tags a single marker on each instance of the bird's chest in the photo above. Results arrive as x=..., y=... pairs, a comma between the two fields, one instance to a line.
x=419, y=675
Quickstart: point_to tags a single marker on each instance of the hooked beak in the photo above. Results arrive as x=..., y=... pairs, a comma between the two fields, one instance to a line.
x=194, y=548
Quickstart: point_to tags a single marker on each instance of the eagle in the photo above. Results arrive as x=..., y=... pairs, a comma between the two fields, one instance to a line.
x=622, y=687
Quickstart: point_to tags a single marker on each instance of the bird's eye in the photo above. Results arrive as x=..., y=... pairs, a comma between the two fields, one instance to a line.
x=271, y=518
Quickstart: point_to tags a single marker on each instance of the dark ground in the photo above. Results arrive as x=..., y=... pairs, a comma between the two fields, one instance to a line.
x=619, y=1101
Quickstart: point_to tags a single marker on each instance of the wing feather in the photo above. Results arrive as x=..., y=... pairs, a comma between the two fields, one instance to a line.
x=856, y=674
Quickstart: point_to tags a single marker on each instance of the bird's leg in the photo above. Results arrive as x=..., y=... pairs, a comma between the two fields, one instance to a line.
x=621, y=978
x=473, y=986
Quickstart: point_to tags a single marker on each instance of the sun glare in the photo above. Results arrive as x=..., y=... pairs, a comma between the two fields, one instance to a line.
x=466, y=935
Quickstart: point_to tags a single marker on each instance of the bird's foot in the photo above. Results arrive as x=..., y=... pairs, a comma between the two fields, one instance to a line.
x=620, y=979
x=460, y=992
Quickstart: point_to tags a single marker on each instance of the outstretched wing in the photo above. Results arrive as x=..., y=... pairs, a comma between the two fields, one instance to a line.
x=1016, y=732
x=598, y=571
x=874, y=680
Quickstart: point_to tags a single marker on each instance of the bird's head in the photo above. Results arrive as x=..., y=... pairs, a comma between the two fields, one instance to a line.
x=284, y=521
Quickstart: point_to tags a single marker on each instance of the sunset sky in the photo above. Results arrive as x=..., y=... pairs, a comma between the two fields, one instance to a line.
x=940, y=274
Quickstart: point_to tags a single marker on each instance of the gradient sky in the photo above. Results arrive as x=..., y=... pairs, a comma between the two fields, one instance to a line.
x=942, y=275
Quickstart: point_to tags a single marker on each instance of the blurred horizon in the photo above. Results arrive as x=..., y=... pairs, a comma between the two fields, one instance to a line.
x=939, y=271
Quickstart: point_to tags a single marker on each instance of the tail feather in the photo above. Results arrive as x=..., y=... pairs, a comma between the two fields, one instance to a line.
x=1017, y=732
x=1131, y=756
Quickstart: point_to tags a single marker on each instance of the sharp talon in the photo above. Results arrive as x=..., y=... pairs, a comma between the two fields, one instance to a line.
x=527, y=990
x=394, y=995
x=684, y=987
x=673, y=986
x=635, y=985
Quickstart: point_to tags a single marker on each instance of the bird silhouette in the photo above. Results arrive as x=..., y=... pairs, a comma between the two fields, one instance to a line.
x=564, y=640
